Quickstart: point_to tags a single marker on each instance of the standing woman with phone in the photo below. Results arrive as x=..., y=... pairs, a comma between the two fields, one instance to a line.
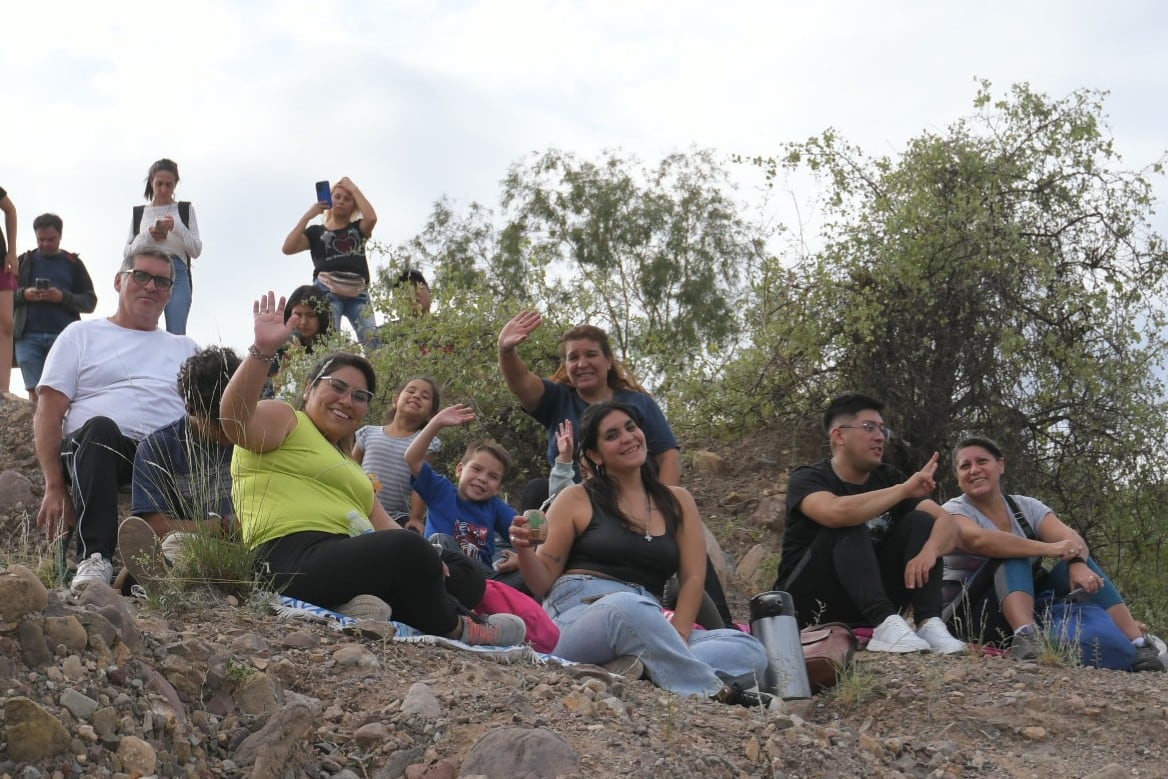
x=7, y=288
x=339, y=266
x=170, y=226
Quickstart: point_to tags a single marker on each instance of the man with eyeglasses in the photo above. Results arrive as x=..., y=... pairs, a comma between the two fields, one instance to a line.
x=862, y=542
x=107, y=384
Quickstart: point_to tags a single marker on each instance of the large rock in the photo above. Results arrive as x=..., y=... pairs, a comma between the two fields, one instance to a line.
x=271, y=748
x=67, y=632
x=21, y=593
x=15, y=490
x=723, y=565
x=257, y=694
x=137, y=756
x=748, y=576
x=526, y=752
x=771, y=513
x=31, y=732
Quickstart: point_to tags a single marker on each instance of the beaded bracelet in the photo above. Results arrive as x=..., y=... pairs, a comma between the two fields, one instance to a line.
x=256, y=353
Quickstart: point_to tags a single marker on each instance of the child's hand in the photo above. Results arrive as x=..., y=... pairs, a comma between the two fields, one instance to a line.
x=453, y=416
x=564, y=443
x=508, y=562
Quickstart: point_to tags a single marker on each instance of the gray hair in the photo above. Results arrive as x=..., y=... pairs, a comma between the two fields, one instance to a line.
x=128, y=263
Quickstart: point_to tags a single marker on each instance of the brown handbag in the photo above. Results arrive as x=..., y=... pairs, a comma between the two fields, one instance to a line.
x=827, y=651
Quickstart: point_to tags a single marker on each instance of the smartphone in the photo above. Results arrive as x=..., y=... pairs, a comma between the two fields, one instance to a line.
x=324, y=193
x=42, y=283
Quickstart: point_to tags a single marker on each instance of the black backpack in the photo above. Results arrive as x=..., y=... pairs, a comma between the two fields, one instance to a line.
x=184, y=213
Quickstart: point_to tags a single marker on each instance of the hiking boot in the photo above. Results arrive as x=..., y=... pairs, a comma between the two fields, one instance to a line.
x=1026, y=644
x=497, y=630
x=1147, y=658
x=140, y=553
x=368, y=607
x=737, y=695
x=939, y=639
x=94, y=568
x=626, y=665
x=896, y=636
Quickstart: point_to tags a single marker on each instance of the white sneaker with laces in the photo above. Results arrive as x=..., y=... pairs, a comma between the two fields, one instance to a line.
x=94, y=568
x=896, y=636
x=939, y=639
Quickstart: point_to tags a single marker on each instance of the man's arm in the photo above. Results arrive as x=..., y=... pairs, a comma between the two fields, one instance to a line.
x=941, y=541
x=56, y=511
x=81, y=298
x=831, y=510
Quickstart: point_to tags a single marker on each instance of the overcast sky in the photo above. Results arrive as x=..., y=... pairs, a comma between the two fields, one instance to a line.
x=413, y=101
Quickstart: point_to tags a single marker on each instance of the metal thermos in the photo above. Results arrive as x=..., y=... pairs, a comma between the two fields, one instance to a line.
x=772, y=621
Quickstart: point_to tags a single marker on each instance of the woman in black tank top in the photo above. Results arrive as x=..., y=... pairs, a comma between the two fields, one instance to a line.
x=611, y=544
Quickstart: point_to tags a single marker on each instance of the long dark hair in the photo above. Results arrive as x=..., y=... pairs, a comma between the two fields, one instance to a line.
x=318, y=302
x=602, y=488
x=170, y=166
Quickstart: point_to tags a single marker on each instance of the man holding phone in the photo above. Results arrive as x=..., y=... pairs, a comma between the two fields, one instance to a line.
x=53, y=290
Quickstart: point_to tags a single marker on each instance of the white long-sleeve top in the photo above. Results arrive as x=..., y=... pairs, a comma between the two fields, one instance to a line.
x=182, y=240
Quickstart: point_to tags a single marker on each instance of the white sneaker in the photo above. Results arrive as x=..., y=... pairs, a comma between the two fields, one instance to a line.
x=939, y=639
x=93, y=569
x=896, y=636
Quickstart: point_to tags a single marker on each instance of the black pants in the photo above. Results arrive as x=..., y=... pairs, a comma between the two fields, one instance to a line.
x=97, y=460
x=851, y=579
x=397, y=566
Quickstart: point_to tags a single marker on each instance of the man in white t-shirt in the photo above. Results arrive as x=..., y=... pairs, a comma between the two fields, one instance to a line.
x=106, y=385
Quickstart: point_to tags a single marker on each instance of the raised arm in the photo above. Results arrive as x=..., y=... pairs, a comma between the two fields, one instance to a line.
x=368, y=215
x=259, y=426
x=522, y=382
x=450, y=416
x=832, y=510
x=297, y=241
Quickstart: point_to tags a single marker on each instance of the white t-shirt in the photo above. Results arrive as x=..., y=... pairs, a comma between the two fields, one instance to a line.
x=130, y=376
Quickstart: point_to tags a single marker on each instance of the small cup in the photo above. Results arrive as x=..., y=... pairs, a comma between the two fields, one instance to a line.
x=537, y=525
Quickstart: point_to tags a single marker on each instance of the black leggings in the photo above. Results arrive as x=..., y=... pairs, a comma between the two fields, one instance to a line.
x=850, y=579
x=397, y=566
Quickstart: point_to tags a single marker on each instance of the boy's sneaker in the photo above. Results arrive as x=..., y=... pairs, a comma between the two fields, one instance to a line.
x=368, y=607
x=1026, y=644
x=939, y=639
x=140, y=553
x=498, y=630
x=896, y=636
x=94, y=568
x=1148, y=658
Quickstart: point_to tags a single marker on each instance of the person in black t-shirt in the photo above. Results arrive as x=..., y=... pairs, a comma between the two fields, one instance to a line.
x=862, y=541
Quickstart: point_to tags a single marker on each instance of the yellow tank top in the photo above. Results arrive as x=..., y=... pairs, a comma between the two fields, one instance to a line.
x=305, y=484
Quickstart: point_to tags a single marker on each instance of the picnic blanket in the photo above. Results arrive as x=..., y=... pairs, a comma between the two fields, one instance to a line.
x=300, y=609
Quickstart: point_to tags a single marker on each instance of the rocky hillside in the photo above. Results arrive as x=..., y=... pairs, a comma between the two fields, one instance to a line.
x=105, y=686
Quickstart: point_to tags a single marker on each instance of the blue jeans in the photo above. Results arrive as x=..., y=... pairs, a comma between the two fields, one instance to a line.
x=31, y=350
x=1016, y=575
x=179, y=307
x=601, y=619
x=357, y=310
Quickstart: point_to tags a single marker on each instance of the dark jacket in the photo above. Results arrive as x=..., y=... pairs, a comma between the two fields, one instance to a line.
x=79, y=299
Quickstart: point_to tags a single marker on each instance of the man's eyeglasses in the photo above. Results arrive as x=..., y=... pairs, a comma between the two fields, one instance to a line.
x=341, y=387
x=143, y=278
x=870, y=428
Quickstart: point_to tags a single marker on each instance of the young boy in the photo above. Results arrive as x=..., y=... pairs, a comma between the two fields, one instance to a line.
x=468, y=516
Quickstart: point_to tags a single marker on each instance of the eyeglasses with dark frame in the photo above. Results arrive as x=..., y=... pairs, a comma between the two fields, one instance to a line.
x=342, y=388
x=870, y=428
x=143, y=278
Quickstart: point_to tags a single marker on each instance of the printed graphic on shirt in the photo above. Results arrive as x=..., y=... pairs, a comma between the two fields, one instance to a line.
x=472, y=539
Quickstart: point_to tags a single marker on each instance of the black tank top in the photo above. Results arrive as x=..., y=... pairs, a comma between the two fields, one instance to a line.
x=608, y=547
